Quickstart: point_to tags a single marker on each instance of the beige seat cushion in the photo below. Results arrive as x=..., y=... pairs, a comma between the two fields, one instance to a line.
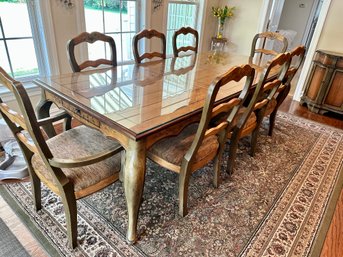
x=173, y=149
x=80, y=142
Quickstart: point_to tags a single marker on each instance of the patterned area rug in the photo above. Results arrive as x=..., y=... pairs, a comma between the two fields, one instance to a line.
x=273, y=205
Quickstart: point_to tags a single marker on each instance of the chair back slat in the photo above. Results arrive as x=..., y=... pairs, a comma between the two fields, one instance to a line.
x=148, y=33
x=225, y=107
x=216, y=130
x=185, y=31
x=27, y=142
x=13, y=116
x=90, y=38
x=260, y=104
x=263, y=51
x=270, y=85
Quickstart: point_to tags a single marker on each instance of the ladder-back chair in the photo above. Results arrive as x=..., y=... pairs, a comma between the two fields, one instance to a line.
x=73, y=164
x=297, y=57
x=90, y=38
x=259, y=46
x=251, y=115
x=198, y=144
x=185, y=31
x=148, y=33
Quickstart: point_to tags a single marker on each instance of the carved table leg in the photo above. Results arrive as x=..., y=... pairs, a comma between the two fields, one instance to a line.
x=134, y=175
x=43, y=111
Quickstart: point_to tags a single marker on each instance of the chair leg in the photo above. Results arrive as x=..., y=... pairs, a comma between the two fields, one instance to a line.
x=67, y=123
x=216, y=175
x=69, y=203
x=36, y=190
x=183, y=191
x=218, y=159
x=272, y=117
x=232, y=153
x=253, y=141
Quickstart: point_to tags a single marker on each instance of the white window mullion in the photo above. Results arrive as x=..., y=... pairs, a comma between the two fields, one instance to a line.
x=38, y=39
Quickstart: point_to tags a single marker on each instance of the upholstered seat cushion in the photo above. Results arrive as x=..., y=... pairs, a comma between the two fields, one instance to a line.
x=173, y=149
x=270, y=106
x=80, y=142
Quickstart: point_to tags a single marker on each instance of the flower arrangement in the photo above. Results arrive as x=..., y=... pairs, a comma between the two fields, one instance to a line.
x=222, y=13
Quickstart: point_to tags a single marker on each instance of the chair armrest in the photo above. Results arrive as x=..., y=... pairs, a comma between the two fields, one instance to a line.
x=48, y=120
x=84, y=161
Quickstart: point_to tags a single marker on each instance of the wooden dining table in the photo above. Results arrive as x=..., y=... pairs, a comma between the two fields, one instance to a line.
x=138, y=105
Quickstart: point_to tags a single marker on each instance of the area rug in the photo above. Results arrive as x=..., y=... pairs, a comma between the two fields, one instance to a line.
x=278, y=203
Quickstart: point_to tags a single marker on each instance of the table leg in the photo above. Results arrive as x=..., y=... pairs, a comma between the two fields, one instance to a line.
x=134, y=174
x=43, y=111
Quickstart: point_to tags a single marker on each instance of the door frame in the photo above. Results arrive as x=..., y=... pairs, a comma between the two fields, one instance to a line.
x=265, y=10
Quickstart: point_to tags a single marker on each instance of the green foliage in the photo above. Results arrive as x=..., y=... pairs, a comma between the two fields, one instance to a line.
x=223, y=12
x=108, y=5
x=12, y=1
x=25, y=72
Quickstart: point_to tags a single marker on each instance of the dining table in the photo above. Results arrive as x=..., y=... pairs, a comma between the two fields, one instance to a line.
x=139, y=104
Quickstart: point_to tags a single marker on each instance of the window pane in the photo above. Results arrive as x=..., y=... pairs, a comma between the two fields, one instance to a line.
x=129, y=16
x=112, y=19
x=96, y=51
x=127, y=49
x=180, y=15
x=15, y=19
x=94, y=20
x=117, y=19
x=3, y=58
x=23, y=57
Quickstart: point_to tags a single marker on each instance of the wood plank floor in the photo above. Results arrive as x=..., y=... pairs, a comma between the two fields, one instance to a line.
x=333, y=246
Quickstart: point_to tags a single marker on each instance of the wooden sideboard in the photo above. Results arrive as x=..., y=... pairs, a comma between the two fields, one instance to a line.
x=324, y=88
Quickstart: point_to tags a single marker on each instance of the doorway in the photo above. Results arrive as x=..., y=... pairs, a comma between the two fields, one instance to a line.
x=296, y=20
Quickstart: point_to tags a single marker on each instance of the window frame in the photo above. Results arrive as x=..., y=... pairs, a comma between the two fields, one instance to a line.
x=198, y=5
x=37, y=43
x=138, y=21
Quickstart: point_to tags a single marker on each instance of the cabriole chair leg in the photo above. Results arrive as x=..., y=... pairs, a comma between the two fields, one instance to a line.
x=69, y=203
x=183, y=192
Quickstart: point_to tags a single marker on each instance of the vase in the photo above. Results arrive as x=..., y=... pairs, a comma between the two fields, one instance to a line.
x=220, y=28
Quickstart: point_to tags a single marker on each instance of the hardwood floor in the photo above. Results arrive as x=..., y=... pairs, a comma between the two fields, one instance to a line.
x=333, y=246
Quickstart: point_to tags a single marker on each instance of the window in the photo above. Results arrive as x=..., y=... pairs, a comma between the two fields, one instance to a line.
x=181, y=14
x=116, y=18
x=18, y=52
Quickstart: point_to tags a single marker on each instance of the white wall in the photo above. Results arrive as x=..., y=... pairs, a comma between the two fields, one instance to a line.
x=241, y=29
x=65, y=27
x=295, y=18
x=331, y=37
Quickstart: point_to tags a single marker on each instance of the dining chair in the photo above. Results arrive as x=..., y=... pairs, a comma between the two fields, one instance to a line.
x=260, y=48
x=297, y=57
x=73, y=164
x=250, y=116
x=185, y=31
x=198, y=144
x=90, y=38
x=148, y=33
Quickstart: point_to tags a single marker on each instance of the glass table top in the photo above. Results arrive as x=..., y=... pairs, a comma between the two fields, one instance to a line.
x=142, y=97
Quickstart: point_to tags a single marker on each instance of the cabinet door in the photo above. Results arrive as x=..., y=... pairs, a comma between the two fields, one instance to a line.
x=334, y=96
x=318, y=76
